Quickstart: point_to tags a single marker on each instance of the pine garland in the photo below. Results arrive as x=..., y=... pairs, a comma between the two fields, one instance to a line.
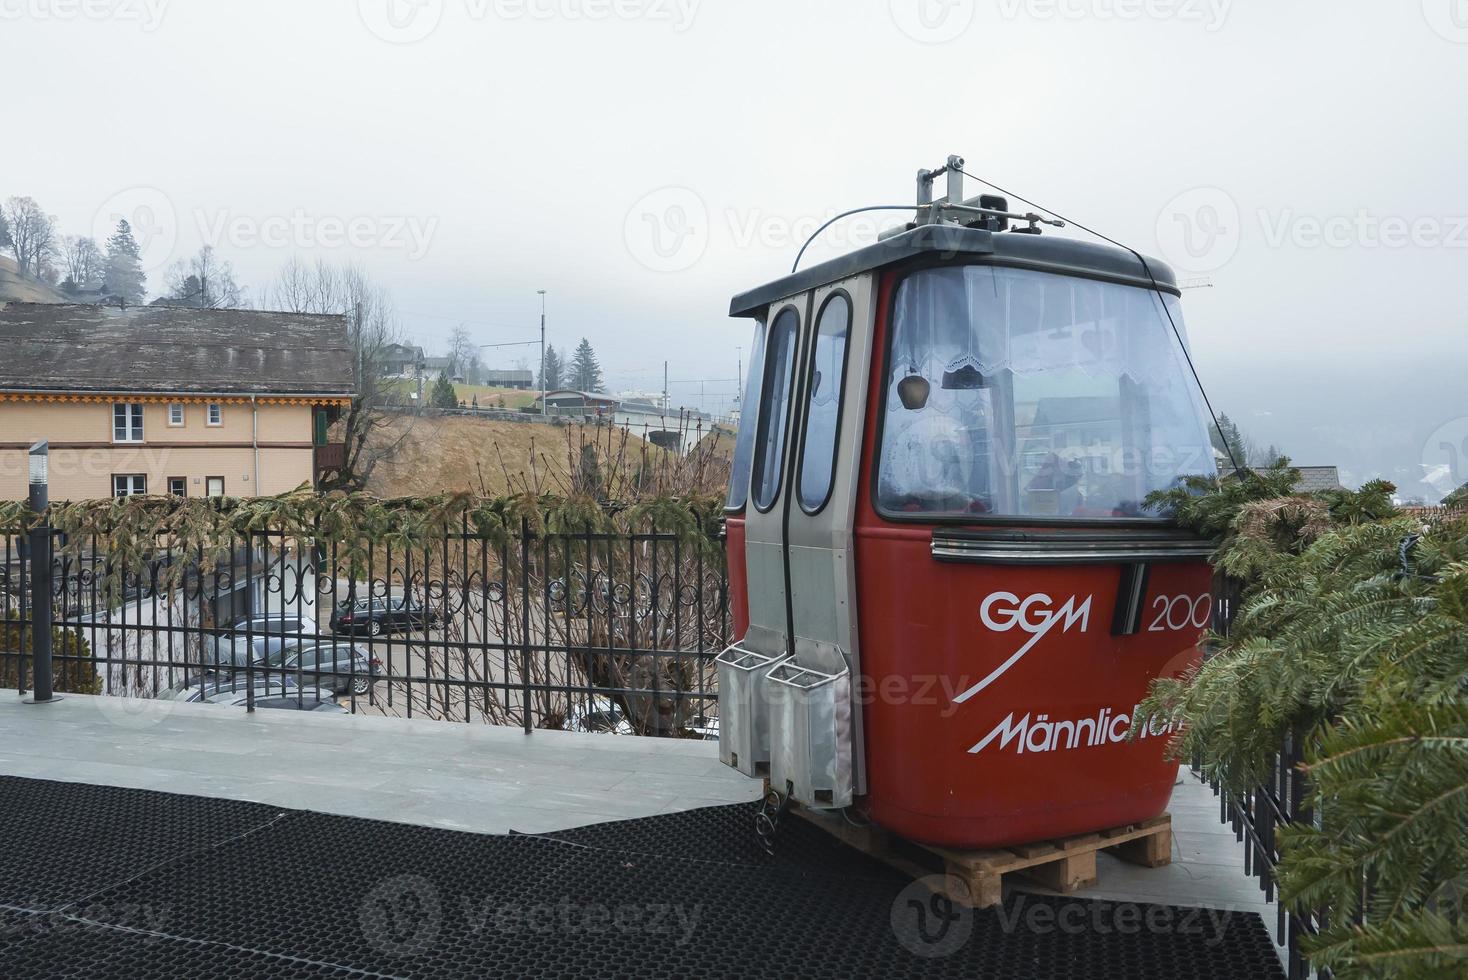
x=135, y=532
x=1353, y=632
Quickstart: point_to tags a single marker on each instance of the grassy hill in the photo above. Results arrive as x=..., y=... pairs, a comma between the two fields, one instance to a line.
x=17, y=289
x=488, y=396
x=434, y=454
x=452, y=453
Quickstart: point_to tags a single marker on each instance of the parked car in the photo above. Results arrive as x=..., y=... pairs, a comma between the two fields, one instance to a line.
x=249, y=640
x=378, y=616
x=209, y=687
x=299, y=699
x=290, y=623
x=329, y=663
x=323, y=705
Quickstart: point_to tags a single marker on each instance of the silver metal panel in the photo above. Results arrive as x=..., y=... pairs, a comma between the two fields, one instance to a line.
x=822, y=560
x=811, y=734
x=1067, y=548
x=744, y=710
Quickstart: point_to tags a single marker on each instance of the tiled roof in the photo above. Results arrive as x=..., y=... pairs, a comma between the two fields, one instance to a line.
x=144, y=349
x=1314, y=478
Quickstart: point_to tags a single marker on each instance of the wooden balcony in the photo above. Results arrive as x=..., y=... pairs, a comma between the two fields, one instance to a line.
x=330, y=457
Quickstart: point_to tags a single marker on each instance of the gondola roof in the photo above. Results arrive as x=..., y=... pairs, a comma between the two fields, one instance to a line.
x=925, y=243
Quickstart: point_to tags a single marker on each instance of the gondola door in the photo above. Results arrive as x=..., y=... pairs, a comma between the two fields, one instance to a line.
x=744, y=736
x=815, y=722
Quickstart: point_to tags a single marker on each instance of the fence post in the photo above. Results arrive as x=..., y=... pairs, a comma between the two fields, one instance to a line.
x=40, y=548
x=525, y=654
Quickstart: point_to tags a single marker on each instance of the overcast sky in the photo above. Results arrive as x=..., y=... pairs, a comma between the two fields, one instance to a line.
x=642, y=160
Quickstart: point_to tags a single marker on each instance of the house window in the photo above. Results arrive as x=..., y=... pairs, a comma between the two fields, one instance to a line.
x=214, y=486
x=127, y=422
x=216, y=413
x=178, y=486
x=176, y=414
x=129, y=485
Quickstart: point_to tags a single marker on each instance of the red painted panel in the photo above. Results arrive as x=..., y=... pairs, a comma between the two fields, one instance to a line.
x=738, y=575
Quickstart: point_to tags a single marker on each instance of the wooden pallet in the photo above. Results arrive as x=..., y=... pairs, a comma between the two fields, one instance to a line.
x=976, y=878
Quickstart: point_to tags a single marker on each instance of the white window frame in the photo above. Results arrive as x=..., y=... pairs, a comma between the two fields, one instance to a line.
x=136, y=486
x=209, y=488
x=180, y=479
x=132, y=426
x=214, y=415
x=176, y=409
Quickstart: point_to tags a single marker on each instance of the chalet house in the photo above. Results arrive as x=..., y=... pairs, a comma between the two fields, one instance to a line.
x=400, y=360
x=155, y=400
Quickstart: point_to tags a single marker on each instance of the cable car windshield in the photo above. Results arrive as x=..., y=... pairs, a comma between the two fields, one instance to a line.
x=1024, y=394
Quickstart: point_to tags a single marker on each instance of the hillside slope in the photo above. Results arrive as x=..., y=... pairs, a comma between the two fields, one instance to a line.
x=453, y=453
x=15, y=288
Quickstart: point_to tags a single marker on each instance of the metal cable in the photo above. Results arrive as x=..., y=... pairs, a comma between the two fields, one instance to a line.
x=1148, y=270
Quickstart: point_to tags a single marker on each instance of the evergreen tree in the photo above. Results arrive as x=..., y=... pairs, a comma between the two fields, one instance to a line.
x=550, y=373
x=443, y=395
x=5, y=241
x=125, y=275
x=1229, y=440
x=585, y=370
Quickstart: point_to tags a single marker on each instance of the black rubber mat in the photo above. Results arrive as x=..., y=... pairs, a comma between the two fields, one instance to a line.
x=288, y=893
x=722, y=834
x=63, y=841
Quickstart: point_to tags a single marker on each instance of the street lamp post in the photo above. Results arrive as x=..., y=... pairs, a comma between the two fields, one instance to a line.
x=542, y=351
x=40, y=549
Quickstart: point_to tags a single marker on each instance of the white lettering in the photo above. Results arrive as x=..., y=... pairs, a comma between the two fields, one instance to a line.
x=1109, y=726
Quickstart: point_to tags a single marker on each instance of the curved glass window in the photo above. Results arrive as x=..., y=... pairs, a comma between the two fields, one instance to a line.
x=748, y=421
x=823, y=413
x=1027, y=394
x=774, y=408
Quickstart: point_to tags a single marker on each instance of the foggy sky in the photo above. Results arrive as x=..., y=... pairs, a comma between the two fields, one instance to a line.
x=643, y=160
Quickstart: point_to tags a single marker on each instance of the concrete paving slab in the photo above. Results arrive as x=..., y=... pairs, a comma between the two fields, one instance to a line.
x=469, y=777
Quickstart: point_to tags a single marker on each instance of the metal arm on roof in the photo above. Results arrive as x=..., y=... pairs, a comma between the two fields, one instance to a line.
x=933, y=207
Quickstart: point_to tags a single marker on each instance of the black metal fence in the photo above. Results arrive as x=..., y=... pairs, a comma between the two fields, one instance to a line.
x=1257, y=816
x=585, y=631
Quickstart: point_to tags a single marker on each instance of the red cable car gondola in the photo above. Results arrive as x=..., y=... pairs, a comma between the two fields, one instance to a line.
x=949, y=594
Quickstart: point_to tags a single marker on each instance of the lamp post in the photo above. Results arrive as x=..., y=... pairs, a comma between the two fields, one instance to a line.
x=40, y=549
x=542, y=351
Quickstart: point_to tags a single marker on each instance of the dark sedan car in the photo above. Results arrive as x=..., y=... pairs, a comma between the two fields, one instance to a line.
x=375, y=617
x=331, y=664
x=214, y=688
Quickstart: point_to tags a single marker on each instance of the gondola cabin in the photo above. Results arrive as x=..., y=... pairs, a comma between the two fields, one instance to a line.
x=949, y=592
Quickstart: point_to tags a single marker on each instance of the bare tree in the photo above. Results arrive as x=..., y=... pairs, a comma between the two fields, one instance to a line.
x=32, y=234
x=205, y=282
x=370, y=432
x=85, y=265
x=305, y=287
x=462, y=352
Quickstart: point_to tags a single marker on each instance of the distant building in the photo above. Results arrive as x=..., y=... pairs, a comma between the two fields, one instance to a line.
x=521, y=380
x=584, y=404
x=1313, y=478
x=154, y=400
x=400, y=360
x=678, y=429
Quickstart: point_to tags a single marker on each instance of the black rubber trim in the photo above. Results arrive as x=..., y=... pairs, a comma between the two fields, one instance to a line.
x=756, y=469
x=1045, y=547
x=815, y=337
